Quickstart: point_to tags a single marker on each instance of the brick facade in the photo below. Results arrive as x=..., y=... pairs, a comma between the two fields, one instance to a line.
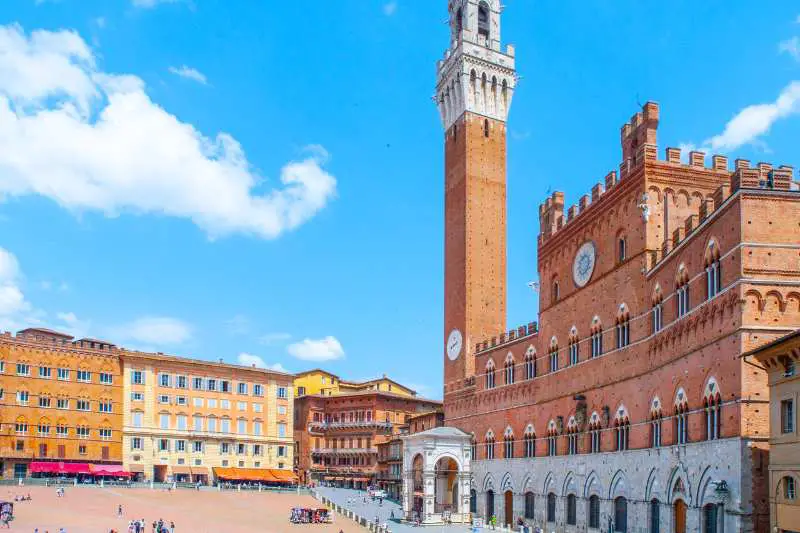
x=638, y=367
x=336, y=437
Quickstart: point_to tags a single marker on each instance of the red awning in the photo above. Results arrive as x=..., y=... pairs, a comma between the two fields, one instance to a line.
x=109, y=470
x=43, y=467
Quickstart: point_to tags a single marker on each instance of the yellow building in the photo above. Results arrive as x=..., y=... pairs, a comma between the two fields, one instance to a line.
x=781, y=359
x=188, y=420
x=318, y=381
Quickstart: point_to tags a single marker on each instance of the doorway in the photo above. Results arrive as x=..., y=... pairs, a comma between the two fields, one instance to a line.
x=509, y=497
x=679, y=511
x=160, y=473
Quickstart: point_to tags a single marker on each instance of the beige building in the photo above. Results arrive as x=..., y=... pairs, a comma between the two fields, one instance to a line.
x=781, y=358
x=188, y=420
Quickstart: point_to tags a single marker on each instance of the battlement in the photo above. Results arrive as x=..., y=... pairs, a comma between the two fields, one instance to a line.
x=53, y=339
x=763, y=177
x=638, y=139
x=638, y=136
x=506, y=337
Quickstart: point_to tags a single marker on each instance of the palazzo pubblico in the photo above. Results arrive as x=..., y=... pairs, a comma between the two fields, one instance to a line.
x=627, y=406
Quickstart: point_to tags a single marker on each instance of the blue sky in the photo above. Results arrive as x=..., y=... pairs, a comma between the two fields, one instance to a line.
x=214, y=178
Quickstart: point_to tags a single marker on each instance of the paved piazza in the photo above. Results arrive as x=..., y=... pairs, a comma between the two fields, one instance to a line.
x=354, y=500
x=94, y=510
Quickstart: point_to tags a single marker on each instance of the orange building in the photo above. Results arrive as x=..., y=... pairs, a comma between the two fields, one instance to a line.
x=336, y=437
x=61, y=401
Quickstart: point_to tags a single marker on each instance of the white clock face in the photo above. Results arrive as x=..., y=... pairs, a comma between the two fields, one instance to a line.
x=454, y=342
x=583, y=266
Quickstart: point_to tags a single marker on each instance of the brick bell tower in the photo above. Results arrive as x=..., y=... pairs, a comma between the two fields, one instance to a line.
x=475, y=84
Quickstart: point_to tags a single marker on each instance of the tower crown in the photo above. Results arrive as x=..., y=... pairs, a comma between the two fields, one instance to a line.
x=475, y=75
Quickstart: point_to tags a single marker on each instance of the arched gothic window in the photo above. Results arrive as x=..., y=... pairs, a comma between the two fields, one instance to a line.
x=529, y=440
x=682, y=292
x=529, y=505
x=572, y=436
x=710, y=518
x=574, y=344
x=594, y=433
x=552, y=439
x=490, y=445
x=594, y=511
x=597, y=338
x=572, y=510
x=658, y=311
x=508, y=443
x=711, y=404
x=553, y=354
x=622, y=427
x=623, y=327
x=530, y=363
x=655, y=423
x=713, y=271
x=681, y=418
x=551, y=507
x=490, y=374
x=620, y=515
x=655, y=516
x=508, y=369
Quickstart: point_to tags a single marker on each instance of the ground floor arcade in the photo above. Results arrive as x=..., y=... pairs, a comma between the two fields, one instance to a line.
x=671, y=489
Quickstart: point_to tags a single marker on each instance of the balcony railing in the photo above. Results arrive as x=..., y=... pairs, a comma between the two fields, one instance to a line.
x=388, y=476
x=322, y=426
x=390, y=457
x=344, y=451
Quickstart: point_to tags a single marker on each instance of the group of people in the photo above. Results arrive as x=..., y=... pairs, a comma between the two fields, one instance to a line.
x=159, y=526
x=302, y=515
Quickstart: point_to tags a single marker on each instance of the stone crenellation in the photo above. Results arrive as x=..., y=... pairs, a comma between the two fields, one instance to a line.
x=763, y=177
x=638, y=139
x=506, y=337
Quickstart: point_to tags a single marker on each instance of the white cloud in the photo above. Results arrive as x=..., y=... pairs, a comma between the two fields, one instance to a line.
x=154, y=330
x=189, y=73
x=754, y=121
x=272, y=338
x=12, y=300
x=72, y=324
x=390, y=8
x=16, y=312
x=93, y=141
x=247, y=359
x=327, y=349
x=68, y=318
x=791, y=47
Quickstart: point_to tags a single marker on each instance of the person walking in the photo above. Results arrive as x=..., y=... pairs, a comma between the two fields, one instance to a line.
x=119, y=511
